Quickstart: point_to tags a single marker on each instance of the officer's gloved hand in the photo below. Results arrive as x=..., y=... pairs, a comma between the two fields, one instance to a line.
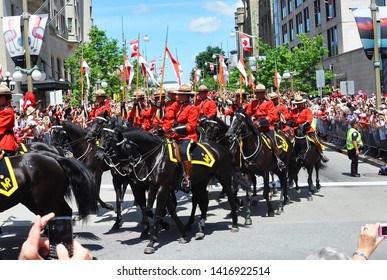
x=158, y=104
x=135, y=102
x=291, y=123
x=305, y=125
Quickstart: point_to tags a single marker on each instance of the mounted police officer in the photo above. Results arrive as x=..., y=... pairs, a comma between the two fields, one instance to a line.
x=180, y=123
x=100, y=106
x=8, y=143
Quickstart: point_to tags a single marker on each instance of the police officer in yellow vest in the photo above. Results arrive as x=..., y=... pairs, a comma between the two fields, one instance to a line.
x=354, y=144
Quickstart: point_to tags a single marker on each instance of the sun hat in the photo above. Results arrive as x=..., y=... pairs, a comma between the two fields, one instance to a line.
x=185, y=89
x=260, y=88
x=139, y=93
x=4, y=90
x=100, y=93
x=30, y=110
x=272, y=95
x=298, y=99
x=203, y=88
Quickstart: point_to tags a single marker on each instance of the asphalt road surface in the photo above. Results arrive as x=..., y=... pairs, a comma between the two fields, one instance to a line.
x=333, y=218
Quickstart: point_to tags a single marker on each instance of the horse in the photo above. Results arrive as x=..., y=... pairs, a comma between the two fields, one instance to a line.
x=259, y=158
x=41, y=181
x=69, y=138
x=305, y=154
x=164, y=174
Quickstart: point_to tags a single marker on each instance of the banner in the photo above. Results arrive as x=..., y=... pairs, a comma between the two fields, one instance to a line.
x=36, y=26
x=366, y=29
x=13, y=39
x=383, y=31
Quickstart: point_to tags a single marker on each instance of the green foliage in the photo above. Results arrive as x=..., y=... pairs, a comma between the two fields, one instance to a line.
x=302, y=60
x=103, y=56
x=204, y=58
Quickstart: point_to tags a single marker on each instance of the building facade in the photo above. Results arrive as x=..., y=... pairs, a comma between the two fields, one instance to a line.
x=68, y=24
x=334, y=20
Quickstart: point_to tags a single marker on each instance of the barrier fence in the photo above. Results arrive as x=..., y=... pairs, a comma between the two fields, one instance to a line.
x=375, y=142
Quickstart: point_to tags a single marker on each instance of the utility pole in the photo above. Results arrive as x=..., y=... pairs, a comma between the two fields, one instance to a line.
x=26, y=17
x=374, y=9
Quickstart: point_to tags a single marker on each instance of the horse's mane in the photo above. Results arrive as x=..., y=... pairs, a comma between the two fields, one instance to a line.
x=223, y=125
x=69, y=126
x=250, y=123
x=139, y=136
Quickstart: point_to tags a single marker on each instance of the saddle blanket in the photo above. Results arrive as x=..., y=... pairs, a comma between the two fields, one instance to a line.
x=199, y=154
x=279, y=140
x=22, y=149
x=8, y=183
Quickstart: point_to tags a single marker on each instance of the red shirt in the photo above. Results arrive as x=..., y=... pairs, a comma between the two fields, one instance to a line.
x=301, y=116
x=99, y=109
x=207, y=108
x=7, y=122
x=182, y=114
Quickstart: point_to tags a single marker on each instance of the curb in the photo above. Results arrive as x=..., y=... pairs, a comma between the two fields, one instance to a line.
x=371, y=160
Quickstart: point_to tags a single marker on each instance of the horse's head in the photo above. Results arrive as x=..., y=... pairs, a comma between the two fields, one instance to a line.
x=212, y=130
x=238, y=125
x=101, y=121
x=59, y=137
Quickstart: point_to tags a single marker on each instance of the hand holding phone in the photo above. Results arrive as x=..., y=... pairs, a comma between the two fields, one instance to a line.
x=383, y=230
x=60, y=231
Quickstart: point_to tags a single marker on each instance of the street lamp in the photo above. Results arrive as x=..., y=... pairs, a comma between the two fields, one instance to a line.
x=8, y=81
x=100, y=84
x=289, y=75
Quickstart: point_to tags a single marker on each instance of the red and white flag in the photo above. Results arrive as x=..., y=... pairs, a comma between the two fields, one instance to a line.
x=277, y=79
x=85, y=70
x=129, y=70
x=196, y=76
x=241, y=67
x=251, y=81
x=134, y=47
x=175, y=64
x=153, y=64
x=245, y=42
x=212, y=67
x=1, y=72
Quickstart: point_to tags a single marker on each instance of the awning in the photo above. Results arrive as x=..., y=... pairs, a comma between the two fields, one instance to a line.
x=47, y=85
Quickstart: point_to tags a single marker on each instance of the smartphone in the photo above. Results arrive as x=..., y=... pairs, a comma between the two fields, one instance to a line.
x=383, y=230
x=60, y=231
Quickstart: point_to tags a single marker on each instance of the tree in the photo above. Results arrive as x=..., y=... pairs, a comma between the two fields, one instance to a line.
x=210, y=55
x=103, y=57
x=303, y=60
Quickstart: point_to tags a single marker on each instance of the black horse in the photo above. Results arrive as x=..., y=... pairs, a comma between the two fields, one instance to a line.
x=69, y=138
x=305, y=154
x=164, y=174
x=258, y=156
x=43, y=181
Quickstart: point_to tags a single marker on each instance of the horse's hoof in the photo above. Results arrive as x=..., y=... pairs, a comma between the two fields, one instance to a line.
x=270, y=214
x=298, y=190
x=280, y=210
x=165, y=225
x=310, y=198
x=109, y=207
x=318, y=187
x=254, y=203
x=183, y=240
x=149, y=250
x=286, y=201
x=234, y=229
x=199, y=236
x=248, y=222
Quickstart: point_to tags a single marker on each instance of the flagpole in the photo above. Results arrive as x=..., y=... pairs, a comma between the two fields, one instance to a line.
x=82, y=91
x=123, y=97
x=162, y=73
x=137, y=68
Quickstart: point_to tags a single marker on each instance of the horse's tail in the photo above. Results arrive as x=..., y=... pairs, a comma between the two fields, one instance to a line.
x=83, y=185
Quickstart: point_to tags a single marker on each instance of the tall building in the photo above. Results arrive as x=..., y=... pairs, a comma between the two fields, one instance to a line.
x=68, y=24
x=334, y=20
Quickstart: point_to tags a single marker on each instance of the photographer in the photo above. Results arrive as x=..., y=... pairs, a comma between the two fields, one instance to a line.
x=35, y=244
x=369, y=239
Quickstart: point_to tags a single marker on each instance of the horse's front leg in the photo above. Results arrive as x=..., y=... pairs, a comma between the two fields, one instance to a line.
x=284, y=193
x=191, y=220
x=119, y=200
x=203, y=202
x=311, y=190
x=317, y=167
x=98, y=178
x=266, y=194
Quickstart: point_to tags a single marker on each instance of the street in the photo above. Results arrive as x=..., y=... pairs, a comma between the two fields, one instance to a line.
x=333, y=218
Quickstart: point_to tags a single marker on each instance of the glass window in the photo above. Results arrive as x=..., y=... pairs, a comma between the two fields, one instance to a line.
x=306, y=20
x=291, y=30
x=298, y=3
x=330, y=9
x=290, y=6
x=284, y=34
x=283, y=9
x=300, y=26
x=317, y=13
x=332, y=41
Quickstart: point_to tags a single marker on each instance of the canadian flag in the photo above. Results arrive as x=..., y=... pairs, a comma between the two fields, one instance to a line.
x=153, y=64
x=212, y=67
x=129, y=70
x=134, y=47
x=245, y=41
x=241, y=67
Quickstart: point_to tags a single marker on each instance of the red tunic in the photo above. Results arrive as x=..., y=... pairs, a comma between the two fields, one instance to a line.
x=7, y=122
x=301, y=116
x=207, y=108
x=99, y=109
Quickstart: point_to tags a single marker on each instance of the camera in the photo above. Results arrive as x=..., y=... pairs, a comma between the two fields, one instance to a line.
x=383, y=230
x=60, y=231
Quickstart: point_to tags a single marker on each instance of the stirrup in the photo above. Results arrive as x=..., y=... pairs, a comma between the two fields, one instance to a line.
x=185, y=185
x=280, y=164
x=324, y=159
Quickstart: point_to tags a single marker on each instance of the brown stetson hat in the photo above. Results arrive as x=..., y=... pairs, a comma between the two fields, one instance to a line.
x=185, y=89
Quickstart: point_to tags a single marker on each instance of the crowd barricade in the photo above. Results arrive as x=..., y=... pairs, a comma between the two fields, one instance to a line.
x=335, y=131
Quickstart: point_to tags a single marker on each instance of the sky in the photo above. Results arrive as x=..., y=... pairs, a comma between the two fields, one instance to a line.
x=192, y=25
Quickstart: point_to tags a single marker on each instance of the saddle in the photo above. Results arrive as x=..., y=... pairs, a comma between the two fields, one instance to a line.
x=198, y=153
x=8, y=183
